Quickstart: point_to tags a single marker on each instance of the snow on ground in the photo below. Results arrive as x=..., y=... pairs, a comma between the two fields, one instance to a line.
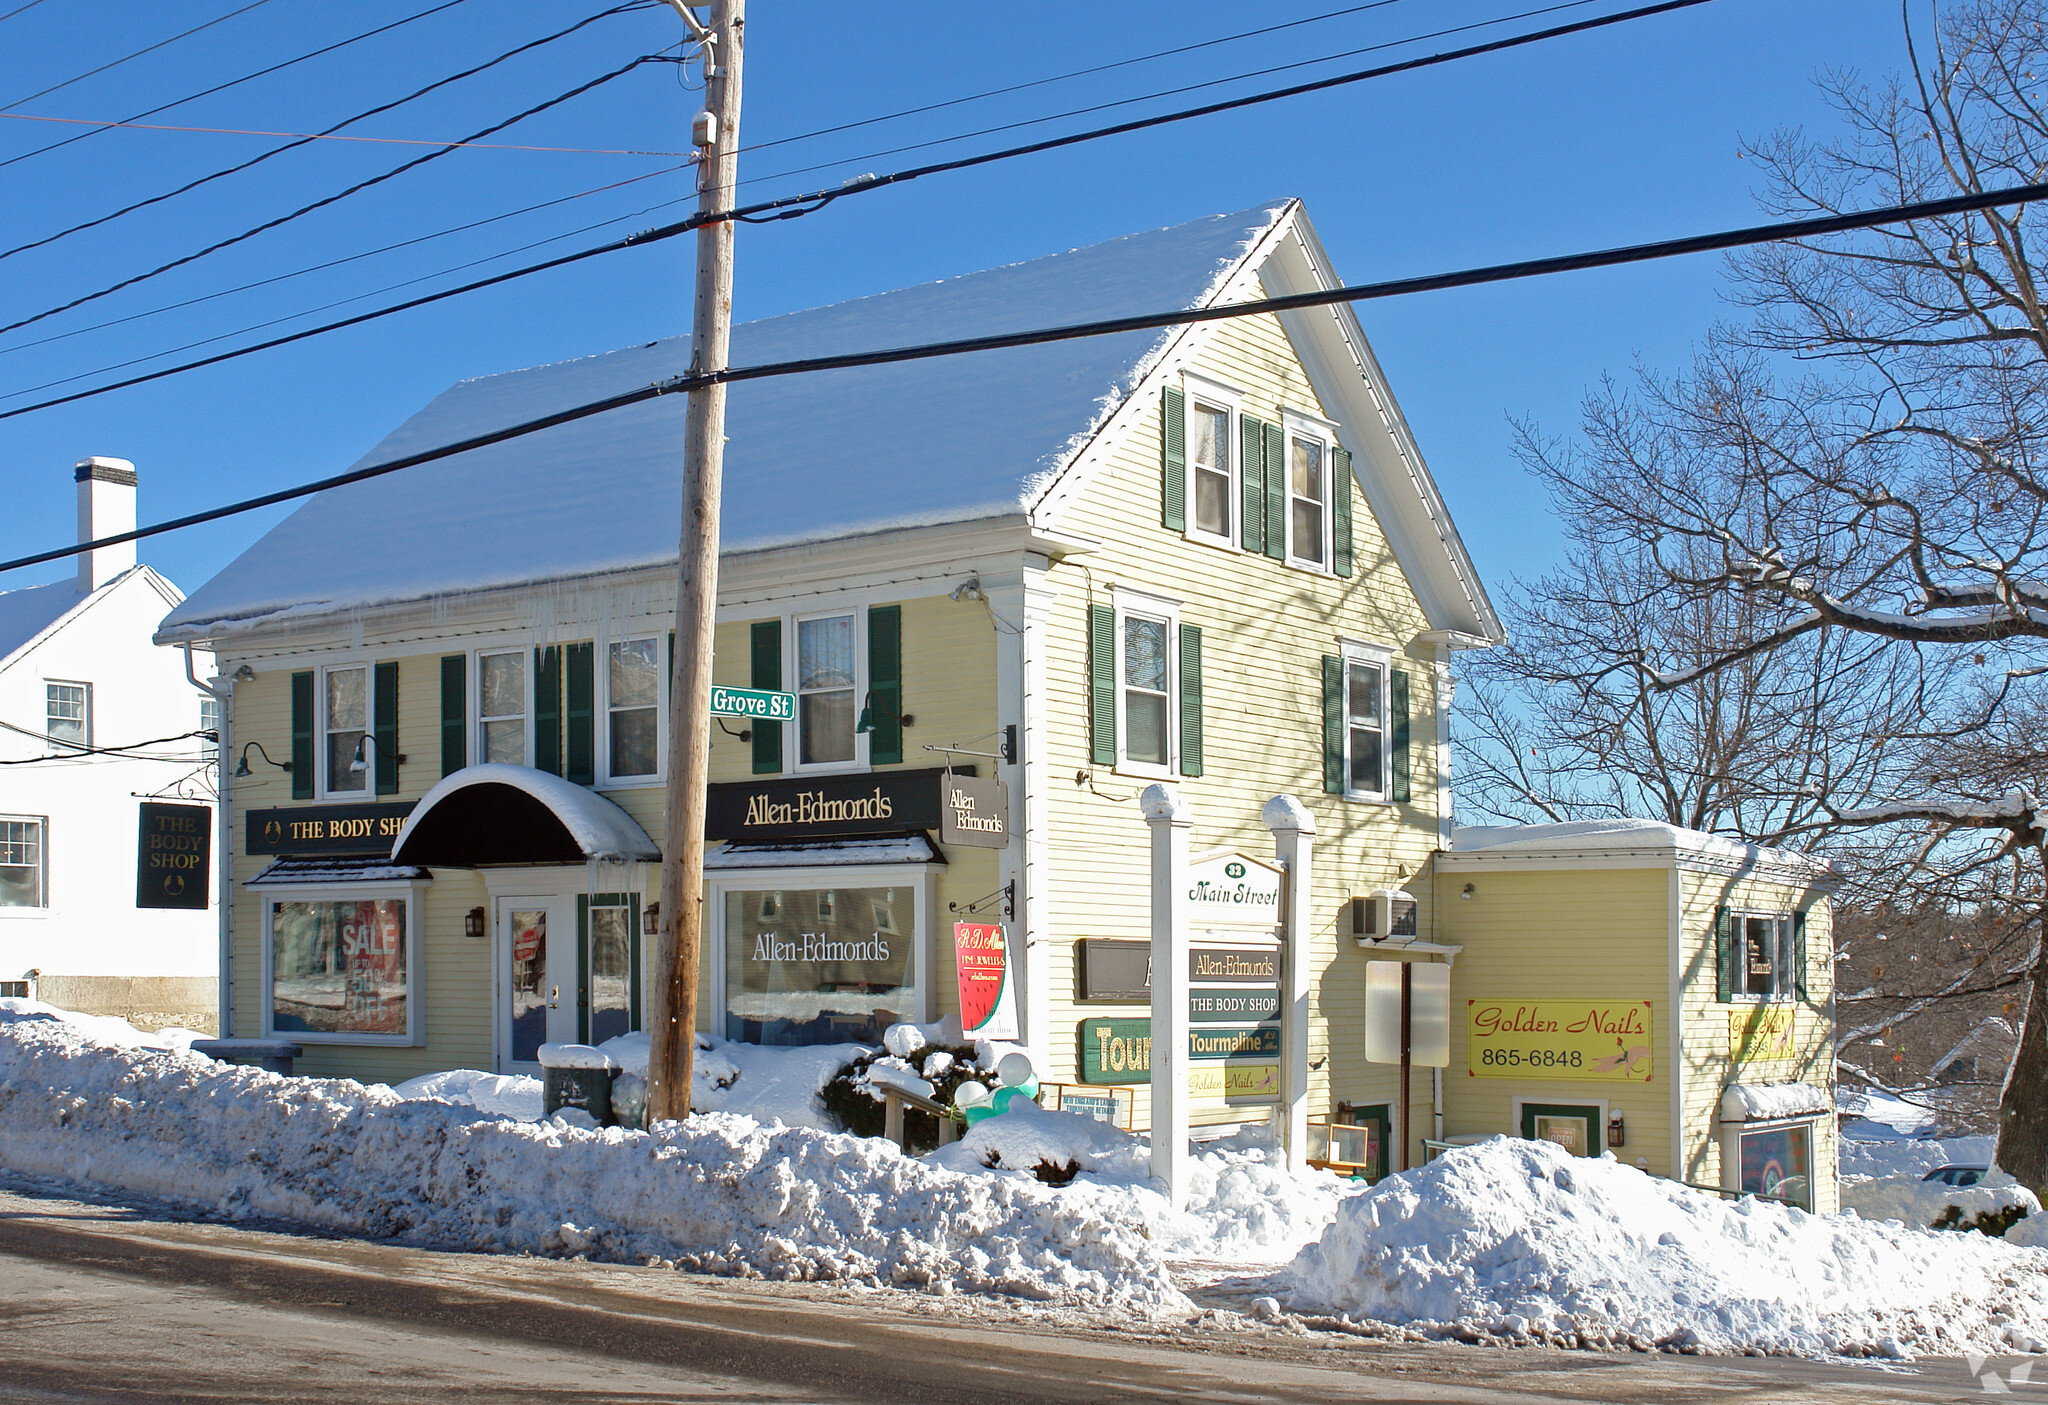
x=110, y=1029
x=1918, y=1203
x=1521, y=1240
x=506, y=1094
x=1873, y=1114
x=1900, y=1156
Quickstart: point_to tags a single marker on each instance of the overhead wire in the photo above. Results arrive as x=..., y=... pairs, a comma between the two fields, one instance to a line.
x=259, y=159
x=247, y=77
x=322, y=203
x=19, y=10
x=103, y=125
x=793, y=206
x=1778, y=232
x=125, y=58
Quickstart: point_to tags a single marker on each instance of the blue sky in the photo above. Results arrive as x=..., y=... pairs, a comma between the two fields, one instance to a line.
x=1612, y=137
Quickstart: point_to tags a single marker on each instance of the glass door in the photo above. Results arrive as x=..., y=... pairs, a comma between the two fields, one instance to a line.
x=538, y=979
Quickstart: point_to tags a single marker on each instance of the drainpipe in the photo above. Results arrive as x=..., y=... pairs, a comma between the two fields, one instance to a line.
x=224, y=888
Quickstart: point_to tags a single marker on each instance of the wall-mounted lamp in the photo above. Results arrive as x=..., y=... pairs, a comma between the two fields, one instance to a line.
x=242, y=765
x=969, y=589
x=868, y=721
x=364, y=747
x=1466, y=891
x=473, y=922
x=244, y=674
x=650, y=920
x=1617, y=1129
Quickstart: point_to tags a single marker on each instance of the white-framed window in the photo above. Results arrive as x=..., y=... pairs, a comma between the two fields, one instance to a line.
x=24, y=862
x=341, y=964
x=209, y=715
x=1213, y=471
x=345, y=751
x=1308, y=494
x=828, y=677
x=1365, y=721
x=1774, y=1158
x=67, y=714
x=632, y=709
x=1147, y=670
x=502, y=706
x=1763, y=956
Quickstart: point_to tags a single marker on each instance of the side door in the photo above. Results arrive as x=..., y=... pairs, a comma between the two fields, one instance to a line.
x=538, y=980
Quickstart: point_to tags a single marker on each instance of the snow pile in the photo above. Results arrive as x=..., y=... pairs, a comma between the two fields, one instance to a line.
x=1918, y=1203
x=1878, y=1115
x=723, y=1194
x=108, y=1029
x=1519, y=1239
x=1898, y=1157
x=507, y=1095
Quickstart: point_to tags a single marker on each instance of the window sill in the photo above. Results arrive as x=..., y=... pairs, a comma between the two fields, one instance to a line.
x=23, y=914
x=1139, y=771
x=1760, y=1000
x=627, y=783
x=1204, y=539
x=1362, y=798
x=384, y=1041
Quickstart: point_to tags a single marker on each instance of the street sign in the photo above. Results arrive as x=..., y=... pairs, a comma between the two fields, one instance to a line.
x=753, y=702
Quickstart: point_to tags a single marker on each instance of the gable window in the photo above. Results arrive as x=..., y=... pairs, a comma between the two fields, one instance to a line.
x=501, y=702
x=67, y=713
x=826, y=683
x=346, y=725
x=633, y=697
x=1210, y=484
x=1365, y=724
x=22, y=867
x=1308, y=495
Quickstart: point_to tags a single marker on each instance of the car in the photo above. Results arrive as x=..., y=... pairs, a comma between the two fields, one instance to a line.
x=1957, y=1175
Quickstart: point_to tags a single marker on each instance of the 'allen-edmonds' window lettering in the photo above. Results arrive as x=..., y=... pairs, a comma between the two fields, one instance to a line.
x=1209, y=463
x=348, y=723
x=825, y=690
x=818, y=965
x=501, y=690
x=635, y=701
x=1147, y=708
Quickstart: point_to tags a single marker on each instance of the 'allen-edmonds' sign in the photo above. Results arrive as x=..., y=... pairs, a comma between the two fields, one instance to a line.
x=1234, y=890
x=825, y=807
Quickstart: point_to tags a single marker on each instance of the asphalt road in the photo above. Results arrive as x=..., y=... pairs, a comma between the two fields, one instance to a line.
x=106, y=1302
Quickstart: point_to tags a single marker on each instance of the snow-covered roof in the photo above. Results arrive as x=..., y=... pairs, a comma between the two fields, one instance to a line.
x=1753, y=1102
x=26, y=613
x=337, y=869
x=1619, y=839
x=811, y=457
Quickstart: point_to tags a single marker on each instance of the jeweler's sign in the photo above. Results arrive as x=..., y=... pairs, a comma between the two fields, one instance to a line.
x=173, y=846
x=1598, y=1040
x=1234, y=890
x=988, y=1004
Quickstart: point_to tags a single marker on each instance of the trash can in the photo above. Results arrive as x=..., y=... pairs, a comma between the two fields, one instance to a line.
x=578, y=1076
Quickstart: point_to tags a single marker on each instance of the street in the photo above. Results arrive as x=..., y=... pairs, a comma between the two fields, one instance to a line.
x=117, y=1301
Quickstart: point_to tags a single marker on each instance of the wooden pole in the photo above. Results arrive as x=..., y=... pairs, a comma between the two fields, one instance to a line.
x=674, y=1022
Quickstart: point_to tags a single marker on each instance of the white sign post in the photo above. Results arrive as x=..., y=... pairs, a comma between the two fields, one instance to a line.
x=1170, y=818
x=1294, y=833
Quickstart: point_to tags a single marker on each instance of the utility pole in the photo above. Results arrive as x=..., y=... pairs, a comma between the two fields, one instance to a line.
x=679, y=946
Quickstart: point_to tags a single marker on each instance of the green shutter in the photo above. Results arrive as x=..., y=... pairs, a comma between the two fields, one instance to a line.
x=302, y=736
x=579, y=713
x=1799, y=954
x=1397, y=738
x=547, y=709
x=885, y=684
x=1173, y=462
x=1340, y=514
x=1190, y=700
x=1276, y=492
x=454, y=713
x=1725, y=952
x=1101, y=685
x=767, y=664
x=582, y=961
x=1251, y=439
x=385, y=719
x=1333, y=724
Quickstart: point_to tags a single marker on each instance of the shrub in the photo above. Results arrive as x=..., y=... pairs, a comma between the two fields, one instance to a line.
x=857, y=1106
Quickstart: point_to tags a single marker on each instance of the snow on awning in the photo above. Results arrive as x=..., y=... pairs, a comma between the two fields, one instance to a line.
x=906, y=848
x=337, y=870
x=499, y=814
x=1758, y=1102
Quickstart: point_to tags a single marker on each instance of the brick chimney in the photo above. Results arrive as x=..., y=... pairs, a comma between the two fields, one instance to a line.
x=106, y=506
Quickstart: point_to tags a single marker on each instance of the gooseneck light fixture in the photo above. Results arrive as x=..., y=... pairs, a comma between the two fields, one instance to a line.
x=242, y=764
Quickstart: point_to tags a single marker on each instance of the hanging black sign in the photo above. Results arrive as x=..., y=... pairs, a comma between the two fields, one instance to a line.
x=173, y=855
x=826, y=807
x=326, y=829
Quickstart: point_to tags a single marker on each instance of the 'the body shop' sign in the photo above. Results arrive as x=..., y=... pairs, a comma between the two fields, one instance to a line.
x=1603, y=1040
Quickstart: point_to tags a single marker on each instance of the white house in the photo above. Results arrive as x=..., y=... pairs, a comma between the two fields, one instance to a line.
x=101, y=733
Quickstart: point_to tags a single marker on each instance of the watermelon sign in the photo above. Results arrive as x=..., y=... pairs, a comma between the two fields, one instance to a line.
x=988, y=1007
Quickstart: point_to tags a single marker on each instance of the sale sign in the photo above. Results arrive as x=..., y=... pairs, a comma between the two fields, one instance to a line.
x=988, y=1004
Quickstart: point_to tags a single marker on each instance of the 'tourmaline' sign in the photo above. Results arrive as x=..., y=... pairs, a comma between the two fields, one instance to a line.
x=825, y=807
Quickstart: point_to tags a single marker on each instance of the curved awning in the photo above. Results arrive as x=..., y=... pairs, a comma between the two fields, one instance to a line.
x=494, y=814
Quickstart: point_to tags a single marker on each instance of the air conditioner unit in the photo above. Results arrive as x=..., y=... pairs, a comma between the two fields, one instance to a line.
x=1384, y=918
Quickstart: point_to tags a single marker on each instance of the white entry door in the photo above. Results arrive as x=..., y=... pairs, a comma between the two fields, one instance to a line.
x=537, y=978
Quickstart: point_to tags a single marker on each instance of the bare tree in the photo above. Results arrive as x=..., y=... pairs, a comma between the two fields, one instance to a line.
x=1866, y=462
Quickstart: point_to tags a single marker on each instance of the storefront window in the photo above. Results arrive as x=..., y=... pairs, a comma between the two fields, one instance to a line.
x=338, y=967
x=818, y=965
x=1779, y=1161
x=610, y=975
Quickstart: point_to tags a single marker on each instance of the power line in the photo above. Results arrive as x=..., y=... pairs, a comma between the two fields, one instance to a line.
x=793, y=206
x=294, y=145
x=325, y=201
x=20, y=10
x=103, y=125
x=245, y=78
x=1328, y=297
x=147, y=49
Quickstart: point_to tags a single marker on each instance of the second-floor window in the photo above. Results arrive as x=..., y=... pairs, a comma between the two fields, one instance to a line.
x=633, y=700
x=501, y=694
x=67, y=716
x=1365, y=726
x=825, y=690
x=346, y=727
x=1308, y=497
x=1210, y=482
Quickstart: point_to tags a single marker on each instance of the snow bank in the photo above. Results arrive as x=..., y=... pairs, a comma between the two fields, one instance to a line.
x=1519, y=1239
x=723, y=1194
x=1899, y=1157
x=1918, y=1203
x=506, y=1094
x=108, y=1029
